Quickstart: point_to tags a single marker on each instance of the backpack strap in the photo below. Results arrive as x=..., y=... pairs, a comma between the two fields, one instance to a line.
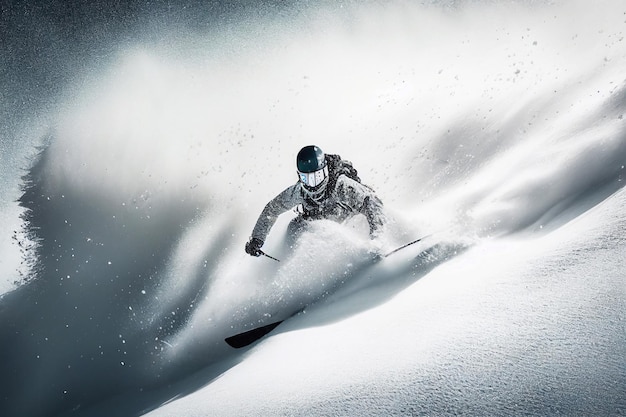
x=333, y=172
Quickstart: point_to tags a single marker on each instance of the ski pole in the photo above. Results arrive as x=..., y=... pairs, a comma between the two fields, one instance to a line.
x=407, y=244
x=265, y=254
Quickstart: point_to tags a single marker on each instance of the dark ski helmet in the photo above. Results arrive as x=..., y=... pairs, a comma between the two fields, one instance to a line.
x=310, y=159
x=312, y=171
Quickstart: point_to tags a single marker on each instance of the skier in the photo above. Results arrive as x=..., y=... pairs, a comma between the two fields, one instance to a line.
x=328, y=188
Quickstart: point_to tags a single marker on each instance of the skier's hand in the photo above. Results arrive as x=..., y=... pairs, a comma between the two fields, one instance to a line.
x=253, y=246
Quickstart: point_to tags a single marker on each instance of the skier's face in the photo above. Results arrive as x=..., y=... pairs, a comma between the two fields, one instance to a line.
x=314, y=183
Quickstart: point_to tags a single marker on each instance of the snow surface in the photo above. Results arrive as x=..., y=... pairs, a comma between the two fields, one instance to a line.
x=497, y=129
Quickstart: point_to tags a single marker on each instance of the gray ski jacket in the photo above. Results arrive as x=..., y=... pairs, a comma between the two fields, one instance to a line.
x=348, y=198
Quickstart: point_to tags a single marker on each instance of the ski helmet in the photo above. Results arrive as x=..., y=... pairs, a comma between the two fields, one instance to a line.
x=310, y=159
x=312, y=171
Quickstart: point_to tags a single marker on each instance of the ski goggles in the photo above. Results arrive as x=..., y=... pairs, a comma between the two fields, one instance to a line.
x=313, y=179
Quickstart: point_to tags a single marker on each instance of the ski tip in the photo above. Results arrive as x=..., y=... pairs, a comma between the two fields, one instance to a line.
x=247, y=338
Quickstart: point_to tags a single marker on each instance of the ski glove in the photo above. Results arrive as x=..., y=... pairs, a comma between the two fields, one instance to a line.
x=253, y=247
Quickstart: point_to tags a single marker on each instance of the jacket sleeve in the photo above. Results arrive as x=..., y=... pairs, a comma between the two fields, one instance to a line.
x=362, y=199
x=283, y=202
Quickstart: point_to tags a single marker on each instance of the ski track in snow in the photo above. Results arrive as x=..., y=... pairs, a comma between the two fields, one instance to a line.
x=497, y=128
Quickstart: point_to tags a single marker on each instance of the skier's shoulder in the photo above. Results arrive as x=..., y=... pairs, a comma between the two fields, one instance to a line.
x=346, y=181
x=345, y=186
x=294, y=191
x=291, y=195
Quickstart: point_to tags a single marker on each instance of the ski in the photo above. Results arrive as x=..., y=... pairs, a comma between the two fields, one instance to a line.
x=406, y=245
x=248, y=337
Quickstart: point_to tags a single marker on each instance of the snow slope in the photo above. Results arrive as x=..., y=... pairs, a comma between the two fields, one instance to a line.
x=497, y=127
